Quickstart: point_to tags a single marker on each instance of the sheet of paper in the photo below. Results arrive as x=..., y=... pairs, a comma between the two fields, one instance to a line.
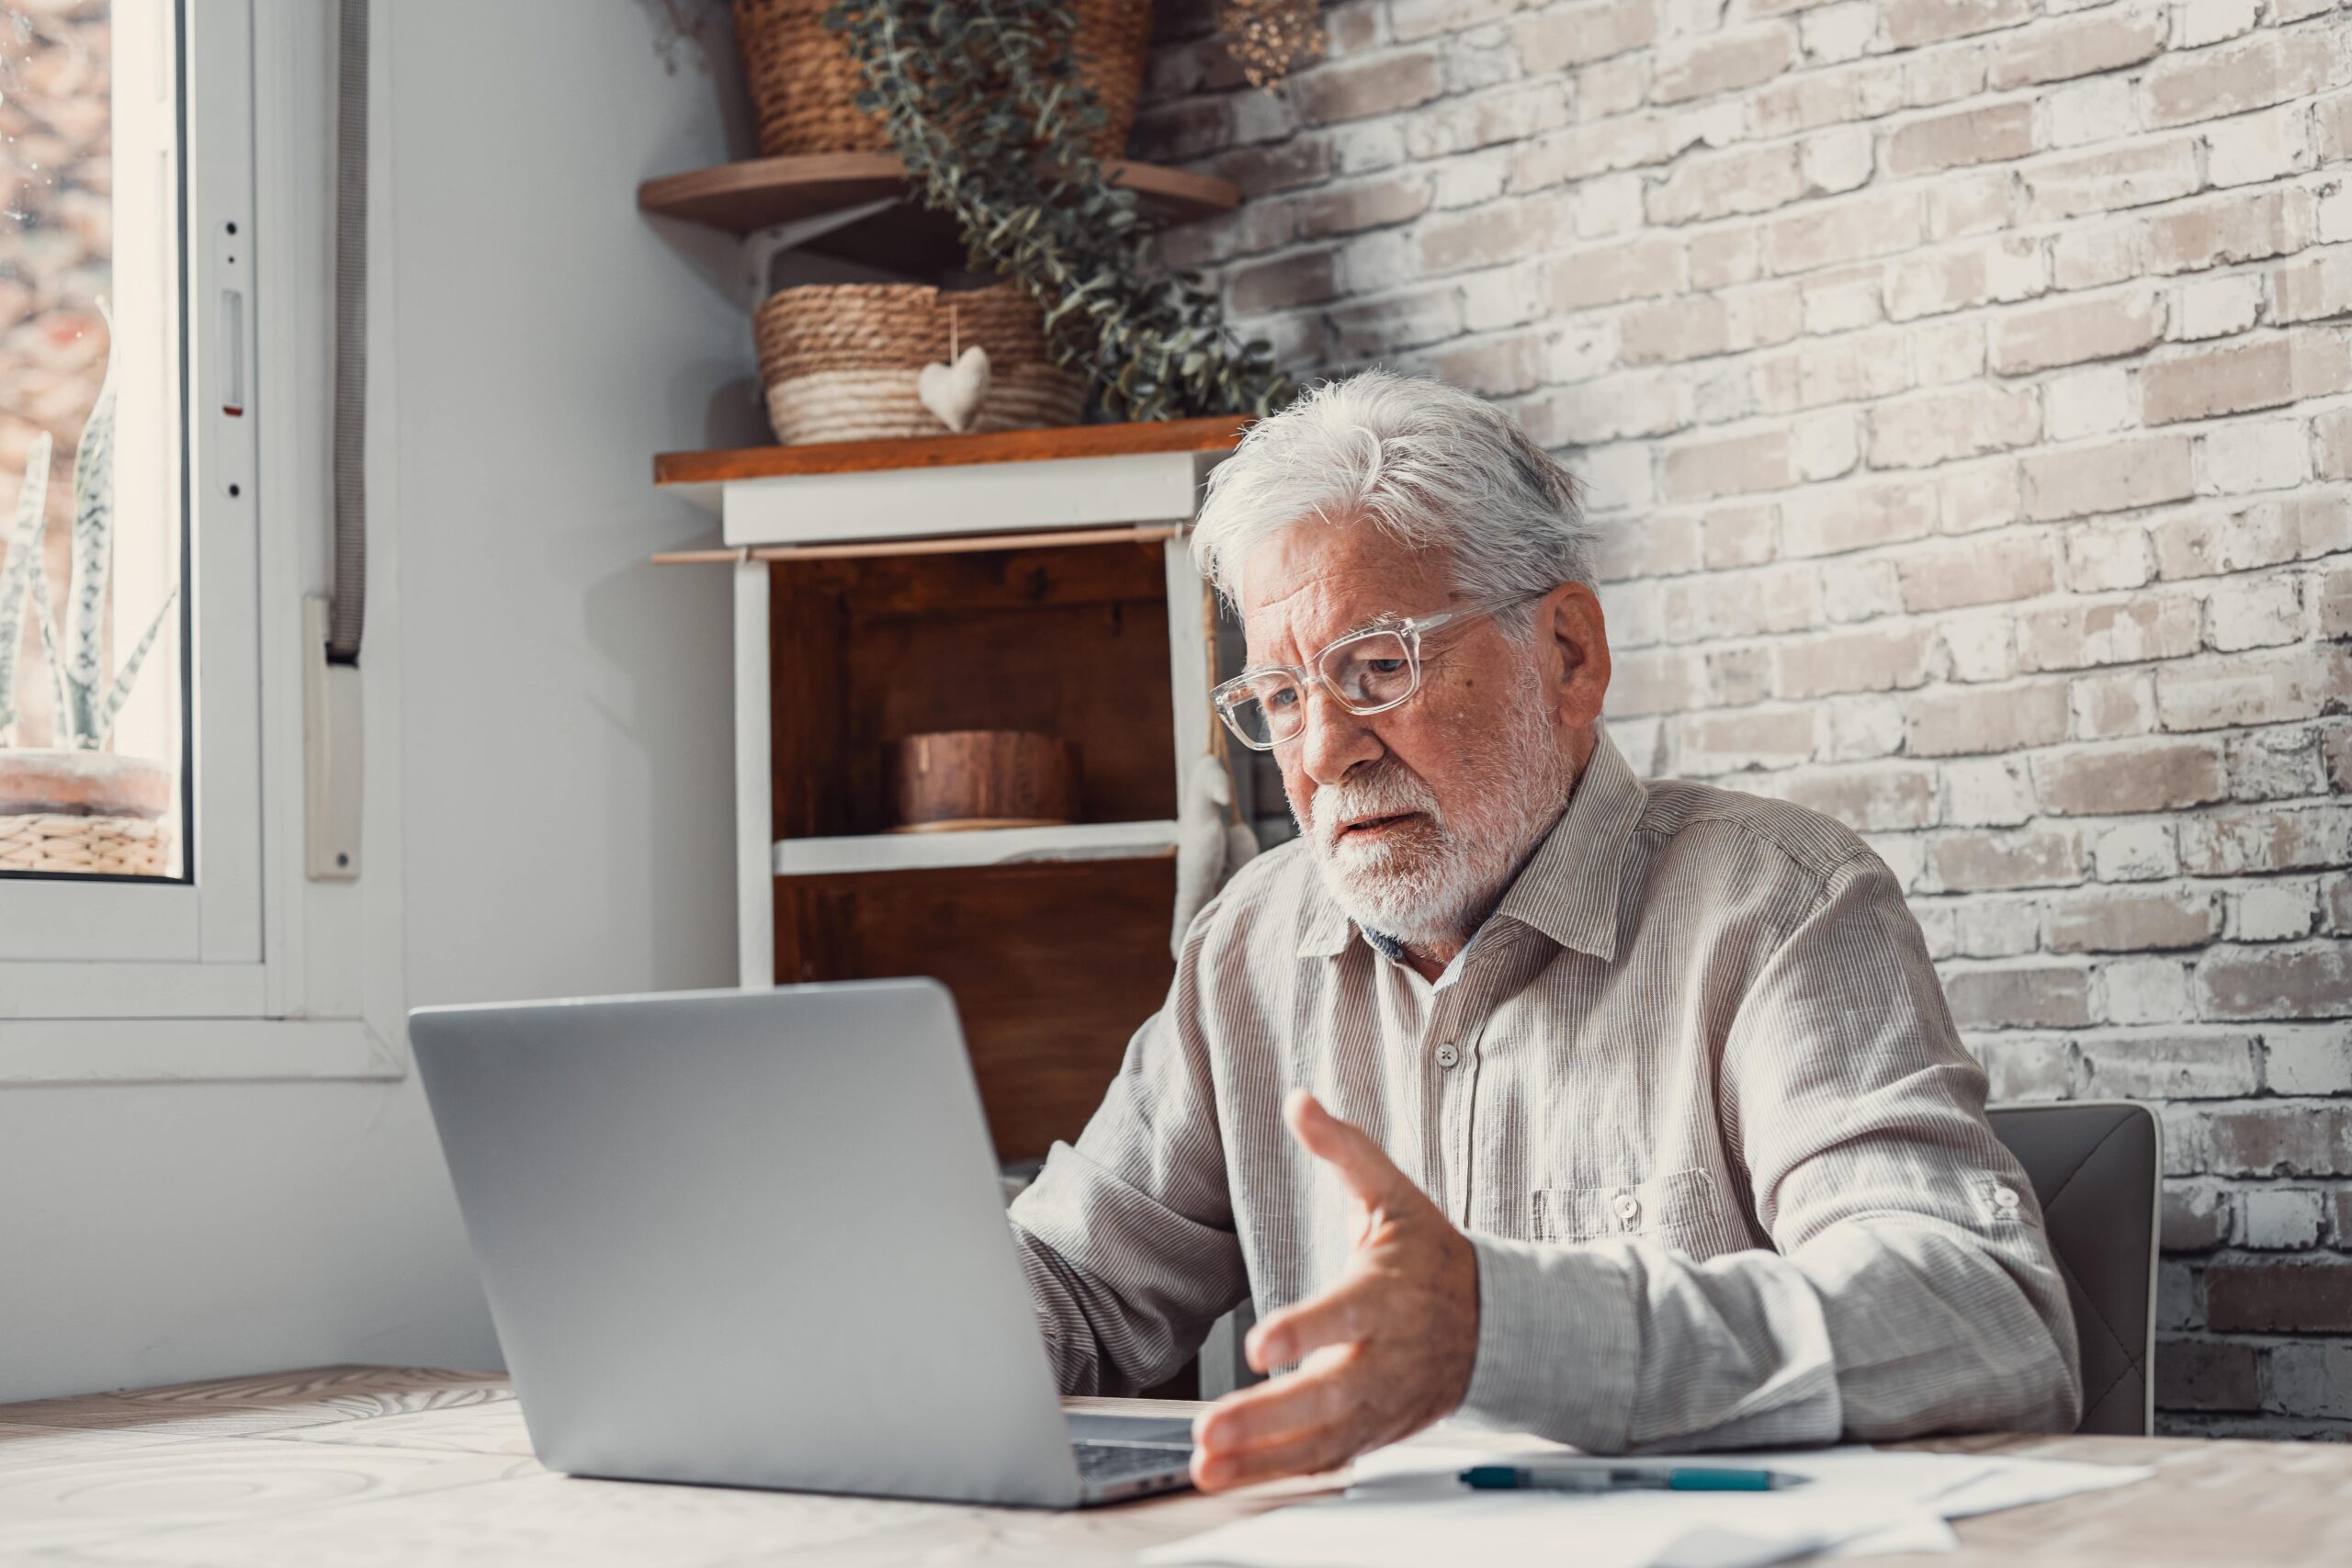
x=1924, y=1533
x=1496, y=1530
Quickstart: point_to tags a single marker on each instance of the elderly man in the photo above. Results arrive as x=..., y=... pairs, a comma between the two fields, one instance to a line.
x=1630, y=1114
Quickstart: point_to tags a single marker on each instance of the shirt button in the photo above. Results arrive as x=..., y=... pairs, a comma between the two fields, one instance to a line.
x=2006, y=1197
x=1629, y=1207
x=1448, y=1056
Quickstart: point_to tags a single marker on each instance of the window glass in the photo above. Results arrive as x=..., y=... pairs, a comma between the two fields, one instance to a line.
x=94, y=622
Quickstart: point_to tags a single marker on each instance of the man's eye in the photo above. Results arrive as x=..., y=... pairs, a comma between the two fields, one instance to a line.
x=1384, y=666
x=1283, y=698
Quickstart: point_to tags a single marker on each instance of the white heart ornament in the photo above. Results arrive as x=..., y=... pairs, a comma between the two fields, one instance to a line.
x=954, y=392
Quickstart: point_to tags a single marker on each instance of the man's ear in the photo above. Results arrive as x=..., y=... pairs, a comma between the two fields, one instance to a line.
x=1570, y=616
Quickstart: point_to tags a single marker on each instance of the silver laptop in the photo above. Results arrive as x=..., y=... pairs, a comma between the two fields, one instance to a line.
x=756, y=1238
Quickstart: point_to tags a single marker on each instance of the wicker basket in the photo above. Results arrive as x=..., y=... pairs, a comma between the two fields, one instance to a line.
x=841, y=360
x=90, y=846
x=804, y=84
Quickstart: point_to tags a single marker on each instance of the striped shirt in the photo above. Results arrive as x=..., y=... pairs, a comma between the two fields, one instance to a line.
x=1692, y=1092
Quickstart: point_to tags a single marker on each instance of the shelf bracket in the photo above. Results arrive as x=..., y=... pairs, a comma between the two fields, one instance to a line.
x=762, y=246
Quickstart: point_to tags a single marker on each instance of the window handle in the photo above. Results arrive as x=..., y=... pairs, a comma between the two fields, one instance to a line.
x=232, y=351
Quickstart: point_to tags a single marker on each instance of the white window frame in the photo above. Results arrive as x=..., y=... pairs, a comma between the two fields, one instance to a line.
x=252, y=971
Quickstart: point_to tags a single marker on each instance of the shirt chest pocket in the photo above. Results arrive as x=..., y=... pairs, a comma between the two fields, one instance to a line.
x=1681, y=1209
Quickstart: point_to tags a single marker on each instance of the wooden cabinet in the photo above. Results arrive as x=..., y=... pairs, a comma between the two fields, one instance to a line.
x=1030, y=580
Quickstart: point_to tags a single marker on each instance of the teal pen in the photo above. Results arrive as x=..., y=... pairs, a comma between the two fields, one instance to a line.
x=1625, y=1478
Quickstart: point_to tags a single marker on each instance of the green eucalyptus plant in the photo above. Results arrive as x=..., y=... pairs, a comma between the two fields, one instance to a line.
x=86, y=702
x=984, y=103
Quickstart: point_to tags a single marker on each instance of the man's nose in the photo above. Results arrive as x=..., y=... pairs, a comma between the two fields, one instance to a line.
x=1333, y=741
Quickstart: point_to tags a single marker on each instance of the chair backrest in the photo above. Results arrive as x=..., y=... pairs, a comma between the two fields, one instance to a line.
x=2096, y=1165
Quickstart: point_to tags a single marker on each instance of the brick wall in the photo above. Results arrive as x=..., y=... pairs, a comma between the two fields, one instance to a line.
x=1971, y=384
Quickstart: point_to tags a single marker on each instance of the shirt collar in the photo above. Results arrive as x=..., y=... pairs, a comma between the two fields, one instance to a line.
x=1568, y=889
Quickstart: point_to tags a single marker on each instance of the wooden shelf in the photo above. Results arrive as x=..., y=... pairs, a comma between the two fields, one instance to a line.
x=763, y=192
x=1218, y=433
x=987, y=846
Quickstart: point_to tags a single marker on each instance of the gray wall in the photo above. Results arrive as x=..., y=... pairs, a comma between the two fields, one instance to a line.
x=566, y=771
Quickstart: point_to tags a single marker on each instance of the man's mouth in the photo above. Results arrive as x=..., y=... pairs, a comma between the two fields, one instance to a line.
x=1373, y=827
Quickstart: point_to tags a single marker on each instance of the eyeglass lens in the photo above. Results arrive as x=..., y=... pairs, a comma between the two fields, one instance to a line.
x=1369, y=673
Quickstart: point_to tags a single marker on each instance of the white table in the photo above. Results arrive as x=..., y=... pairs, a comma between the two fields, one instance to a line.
x=400, y=1466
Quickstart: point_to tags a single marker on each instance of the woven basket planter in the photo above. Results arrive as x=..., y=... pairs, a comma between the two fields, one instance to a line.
x=804, y=85
x=86, y=846
x=841, y=360
x=91, y=813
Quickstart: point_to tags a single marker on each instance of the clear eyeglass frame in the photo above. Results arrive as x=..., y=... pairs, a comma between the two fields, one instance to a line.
x=1365, y=671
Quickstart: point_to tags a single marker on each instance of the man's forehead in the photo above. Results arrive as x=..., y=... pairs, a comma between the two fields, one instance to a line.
x=1317, y=579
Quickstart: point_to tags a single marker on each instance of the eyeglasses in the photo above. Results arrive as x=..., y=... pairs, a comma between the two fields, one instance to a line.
x=1365, y=671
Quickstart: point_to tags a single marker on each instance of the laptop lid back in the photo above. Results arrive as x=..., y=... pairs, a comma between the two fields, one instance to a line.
x=749, y=1238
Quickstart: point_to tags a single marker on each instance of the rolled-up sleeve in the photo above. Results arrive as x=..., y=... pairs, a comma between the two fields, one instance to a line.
x=1128, y=1238
x=1910, y=1287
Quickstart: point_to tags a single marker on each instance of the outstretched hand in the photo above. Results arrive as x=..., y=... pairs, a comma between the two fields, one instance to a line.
x=1381, y=1354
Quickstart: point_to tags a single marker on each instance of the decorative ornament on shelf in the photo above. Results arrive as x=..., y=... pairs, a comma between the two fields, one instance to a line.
x=1268, y=37
x=989, y=109
x=74, y=806
x=956, y=389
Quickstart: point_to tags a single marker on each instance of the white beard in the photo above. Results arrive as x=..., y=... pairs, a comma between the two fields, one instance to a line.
x=1431, y=880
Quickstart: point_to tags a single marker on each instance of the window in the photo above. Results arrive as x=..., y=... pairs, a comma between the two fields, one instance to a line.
x=168, y=157
x=94, y=735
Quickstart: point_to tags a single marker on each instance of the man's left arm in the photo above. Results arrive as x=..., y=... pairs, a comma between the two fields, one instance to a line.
x=1913, y=1290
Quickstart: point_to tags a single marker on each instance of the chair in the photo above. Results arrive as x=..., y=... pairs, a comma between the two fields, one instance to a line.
x=2096, y=1165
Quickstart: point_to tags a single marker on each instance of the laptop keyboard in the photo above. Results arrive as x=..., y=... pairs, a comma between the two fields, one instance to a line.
x=1099, y=1462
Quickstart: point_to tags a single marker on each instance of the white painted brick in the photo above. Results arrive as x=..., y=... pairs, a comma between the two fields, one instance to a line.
x=1860, y=588
x=1826, y=444
x=1469, y=182
x=2331, y=213
x=2144, y=990
x=2103, y=556
x=1843, y=301
x=1946, y=350
x=2263, y=612
x=2279, y=1218
x=1832, y=33
x=2080, y=113
x=1997, y=928
x=2107, y=704
x=2200, y=22
x=1978, y=646
x=2253, y=455
x=1839, y=160
x=2308, y=1061
x=1363, y=147
x=1616, y=476
x=1608, y=204
x=1861, y=729
x=2134, y=852
x=2272, y=911
x=1987, y=792
x=2089, y=402
x=2253, y=148
x=2215, y=307
x=1504, y=297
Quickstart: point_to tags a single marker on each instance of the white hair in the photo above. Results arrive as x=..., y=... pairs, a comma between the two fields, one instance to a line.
x=1430, y=465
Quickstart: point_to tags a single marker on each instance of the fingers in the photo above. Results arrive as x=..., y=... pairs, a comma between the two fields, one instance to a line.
x=1369, y=1174
x=1339, y=1315
x=1303, y=1453
x=1312, y=1420
x=1307, y=1399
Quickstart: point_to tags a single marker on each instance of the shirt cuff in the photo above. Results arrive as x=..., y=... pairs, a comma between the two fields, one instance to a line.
x=1559, y=1344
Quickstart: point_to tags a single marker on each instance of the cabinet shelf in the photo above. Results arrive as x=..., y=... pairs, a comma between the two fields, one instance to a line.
x=977, y=847
x=891, y=229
